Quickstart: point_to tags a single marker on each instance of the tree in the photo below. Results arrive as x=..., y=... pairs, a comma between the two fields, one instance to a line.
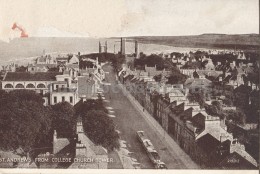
x=176, y=77
x=237, y=116
x=100, y=129
x=252, y=111
x=91, y=104
x=176, y=54
x=3, y=95
x=217, y=104
x=158, y=78
x=21, y=69
x=64, y=119
x=254, y=77
x=227, y=101
x=117, y=61
x=193, y=65
x=150, y=61
x=198, y=97
x=241, y=96
x=215, y=109
x=24, y=124
x=130, y=64
x=24, y=95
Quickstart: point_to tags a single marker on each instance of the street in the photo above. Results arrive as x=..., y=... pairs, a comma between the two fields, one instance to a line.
x=128, y=120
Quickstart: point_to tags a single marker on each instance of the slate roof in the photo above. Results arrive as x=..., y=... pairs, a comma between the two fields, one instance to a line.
x=227, y=78
x=73, y=66
x=196, y=121
x=27, y=76
x=235, y=161
x=208, y=143
x=43, y=65
x=249, y=69
x=187, y=114
x=178, y=109
x=62, y=58
x=197, y=82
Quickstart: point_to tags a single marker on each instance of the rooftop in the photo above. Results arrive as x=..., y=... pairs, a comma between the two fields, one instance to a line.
x=43, y=65
x=208, y=143
x=27, y=76
x=236, y=161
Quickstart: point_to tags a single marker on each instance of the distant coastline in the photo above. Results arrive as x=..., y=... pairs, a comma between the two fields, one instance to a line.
x=20, y=48
x=248, y=42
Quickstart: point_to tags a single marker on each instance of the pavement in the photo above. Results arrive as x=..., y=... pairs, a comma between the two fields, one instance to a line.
x=129, y=117
x=171, y=143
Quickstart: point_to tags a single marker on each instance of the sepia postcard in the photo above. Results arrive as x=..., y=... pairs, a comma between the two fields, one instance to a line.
x=154, y=86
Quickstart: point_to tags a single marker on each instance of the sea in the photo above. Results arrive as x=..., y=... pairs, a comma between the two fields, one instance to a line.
x=23, y=50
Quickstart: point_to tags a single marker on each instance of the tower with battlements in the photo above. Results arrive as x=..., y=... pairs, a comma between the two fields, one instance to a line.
x=122, y=48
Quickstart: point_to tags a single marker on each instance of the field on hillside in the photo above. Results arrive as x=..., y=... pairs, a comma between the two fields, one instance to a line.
x=222, y=41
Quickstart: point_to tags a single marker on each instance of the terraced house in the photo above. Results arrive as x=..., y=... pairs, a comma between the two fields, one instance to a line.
x=204, y=137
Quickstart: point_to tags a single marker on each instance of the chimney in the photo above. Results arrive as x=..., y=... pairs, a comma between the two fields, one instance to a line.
x=54, y=136
x=186, y=92
x=79, y=127
x=81, y=149
x=71, y=73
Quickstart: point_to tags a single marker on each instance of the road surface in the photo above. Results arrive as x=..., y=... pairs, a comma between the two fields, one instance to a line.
x=128, y=120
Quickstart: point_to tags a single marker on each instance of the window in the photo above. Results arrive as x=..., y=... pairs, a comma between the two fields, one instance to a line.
x=71, y=99
x=55, y=99
x=19, y=86
x=8, y=86
x=63, y=99
x=41, y=85
x=30, y=86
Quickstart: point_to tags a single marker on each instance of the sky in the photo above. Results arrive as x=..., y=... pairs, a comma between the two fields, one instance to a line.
x=109, y=18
